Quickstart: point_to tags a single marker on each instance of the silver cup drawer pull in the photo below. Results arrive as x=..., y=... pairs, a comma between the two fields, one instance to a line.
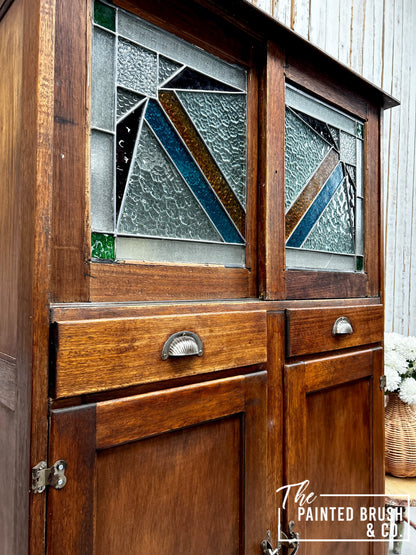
x=342, y=326
x=182, y=344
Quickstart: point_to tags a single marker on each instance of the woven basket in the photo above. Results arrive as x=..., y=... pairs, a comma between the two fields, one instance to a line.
x=400, y=427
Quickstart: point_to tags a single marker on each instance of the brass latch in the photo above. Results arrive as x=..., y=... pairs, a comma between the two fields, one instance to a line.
x=43, y=476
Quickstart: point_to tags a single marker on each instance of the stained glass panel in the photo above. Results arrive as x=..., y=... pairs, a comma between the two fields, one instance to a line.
x=104, y=16
x=175, y=163
x=158, y=202
x=220, y=119
x=102, y=215
x=167, y=68
x=126, y=100
x=102, y=246
x=304, y=152
x=323, y=188
x=102, y=80
x=136, y=68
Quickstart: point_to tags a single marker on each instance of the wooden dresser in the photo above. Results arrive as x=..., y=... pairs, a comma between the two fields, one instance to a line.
x=191, y=279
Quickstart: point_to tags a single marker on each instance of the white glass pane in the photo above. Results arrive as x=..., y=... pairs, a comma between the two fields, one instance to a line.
x=102, y=163
x=102, y=80
x=162, y=250
x=172, y=47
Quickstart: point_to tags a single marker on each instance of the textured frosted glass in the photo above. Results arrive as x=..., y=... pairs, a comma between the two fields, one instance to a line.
x=348, y=148
x=316, y=109
x=203, y=157
x=171, y=250
x=103, y=77
x=335, y=135
x=192, y=174
x=167, y=68
x=315, y=260
x=360, y=226
x=158, y=202
x=125, y=101
x=169, y=45
x=102, y=164
x=333, y=231
x=316, y=208
x=304, y=151
x=137, y=68
x=221, y=121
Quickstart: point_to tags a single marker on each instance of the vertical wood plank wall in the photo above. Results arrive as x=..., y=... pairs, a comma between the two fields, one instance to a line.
x=376, y=38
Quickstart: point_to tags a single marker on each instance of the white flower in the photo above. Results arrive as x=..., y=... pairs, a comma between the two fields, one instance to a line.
x=407, y=348
x=393, y=379
x=395, y=361
x=391, y=340
x=408, y=391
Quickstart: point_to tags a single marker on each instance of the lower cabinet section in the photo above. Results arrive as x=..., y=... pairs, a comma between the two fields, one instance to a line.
x=174, y=472
x=334, y=439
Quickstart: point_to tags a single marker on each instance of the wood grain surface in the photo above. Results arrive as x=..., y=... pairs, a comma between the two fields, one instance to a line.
x=109, y=354
x=310, y=330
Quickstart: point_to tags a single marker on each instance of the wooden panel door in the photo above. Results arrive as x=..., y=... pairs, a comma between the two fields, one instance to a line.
x=334, y=439
x=176, y=471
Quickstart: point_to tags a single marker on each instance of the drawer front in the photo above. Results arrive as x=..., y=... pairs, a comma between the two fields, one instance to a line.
x=310, y=330
x=97, y=355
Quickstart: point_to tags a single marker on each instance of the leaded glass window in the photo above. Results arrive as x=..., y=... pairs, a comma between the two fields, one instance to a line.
x=168, y=146
x=324, y=191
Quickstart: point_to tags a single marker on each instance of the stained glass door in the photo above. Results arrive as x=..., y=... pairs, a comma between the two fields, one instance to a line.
x=324, y=191
x=168, y=147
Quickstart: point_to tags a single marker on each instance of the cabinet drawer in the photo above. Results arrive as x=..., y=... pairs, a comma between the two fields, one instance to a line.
x=102, y=354
x=309, y=330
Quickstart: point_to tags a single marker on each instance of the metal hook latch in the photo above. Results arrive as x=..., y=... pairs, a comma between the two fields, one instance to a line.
x=291, y=541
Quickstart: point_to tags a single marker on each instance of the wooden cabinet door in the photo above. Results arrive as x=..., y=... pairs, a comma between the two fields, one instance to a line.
x=334, y=439
x=174, y=472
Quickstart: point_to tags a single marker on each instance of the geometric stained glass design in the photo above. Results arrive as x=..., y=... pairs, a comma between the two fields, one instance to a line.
x=180, y=135
x=126, y=100
x=323, y=199
x=305, y=150
x=164, y=208
x=220, y=120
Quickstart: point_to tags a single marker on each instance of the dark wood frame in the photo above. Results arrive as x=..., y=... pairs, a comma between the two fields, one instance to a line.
x=71, y=243
x=78, y=433
x=309, y=376
x=270, y=65
x=325, y=81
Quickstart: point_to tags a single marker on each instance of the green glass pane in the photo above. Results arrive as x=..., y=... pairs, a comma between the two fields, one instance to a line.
x=102, y=246
x=360, y=130
x=104, y=16
x=359, y=263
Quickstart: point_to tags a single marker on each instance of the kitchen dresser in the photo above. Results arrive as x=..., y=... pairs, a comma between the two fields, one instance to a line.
x=191, y=282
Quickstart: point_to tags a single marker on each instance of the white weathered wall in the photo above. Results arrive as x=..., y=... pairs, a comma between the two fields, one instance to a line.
x=377, y=38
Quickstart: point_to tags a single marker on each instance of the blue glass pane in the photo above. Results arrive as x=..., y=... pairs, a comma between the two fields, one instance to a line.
x=221, y=121
x=316, y=209
x=191, y=173
x=158, y=202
